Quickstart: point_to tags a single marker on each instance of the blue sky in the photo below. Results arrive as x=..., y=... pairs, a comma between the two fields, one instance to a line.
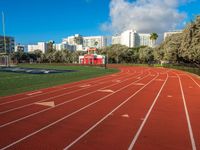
x=30, y=21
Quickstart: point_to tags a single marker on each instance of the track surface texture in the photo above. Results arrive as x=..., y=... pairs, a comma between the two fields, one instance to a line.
x=142, y=108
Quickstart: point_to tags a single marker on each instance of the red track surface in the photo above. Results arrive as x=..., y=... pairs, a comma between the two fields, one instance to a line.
x=137, y=108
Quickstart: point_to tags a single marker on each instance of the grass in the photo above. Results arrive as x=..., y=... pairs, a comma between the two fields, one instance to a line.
x=13, y=83
x=184, y=68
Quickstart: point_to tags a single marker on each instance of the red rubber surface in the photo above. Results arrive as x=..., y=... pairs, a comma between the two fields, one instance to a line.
x=137, y=108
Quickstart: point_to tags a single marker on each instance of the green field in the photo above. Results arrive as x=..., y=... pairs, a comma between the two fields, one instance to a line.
x=12, y=83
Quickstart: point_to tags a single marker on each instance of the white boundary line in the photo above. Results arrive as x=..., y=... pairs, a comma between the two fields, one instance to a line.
x=116, y=108
x=65, y=117
x=146, y=117
x=50, y=98
x=187, y=116
x=22, y=118
x=193, y=80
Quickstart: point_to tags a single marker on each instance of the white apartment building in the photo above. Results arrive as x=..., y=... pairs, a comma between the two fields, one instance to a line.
x=95, y=41
x=21, y=48
x=145, y=40
x=43, y=46
x=88, y=41
x=63, y=46
x=116, y=39
x=131, y=38
x=167, y=34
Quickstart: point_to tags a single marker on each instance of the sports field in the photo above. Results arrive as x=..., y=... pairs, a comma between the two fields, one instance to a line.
x=142, y=108
x=12, y=83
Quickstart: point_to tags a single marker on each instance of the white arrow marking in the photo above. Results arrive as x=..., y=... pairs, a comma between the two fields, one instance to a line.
x=109, y=91
x=51, y=104
x=86, y=85
x=38, y=92
x=125, y=116
x=138, y=84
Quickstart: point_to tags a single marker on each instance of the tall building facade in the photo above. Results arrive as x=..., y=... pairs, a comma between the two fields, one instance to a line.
x=10, y=44
x=131, y=38
x=43, y=46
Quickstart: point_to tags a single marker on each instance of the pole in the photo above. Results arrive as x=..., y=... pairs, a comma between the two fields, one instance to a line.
x=4, y=34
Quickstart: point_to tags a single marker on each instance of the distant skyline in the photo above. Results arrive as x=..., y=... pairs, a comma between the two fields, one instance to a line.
x=43, y=20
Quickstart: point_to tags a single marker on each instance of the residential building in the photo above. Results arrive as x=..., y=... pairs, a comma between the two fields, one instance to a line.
x=21, y=48
x=10, y=44
x=116, y=39
x=167, y=34
x=131, y=38
x=43, y=46
x=64, y=46
x=95, y=41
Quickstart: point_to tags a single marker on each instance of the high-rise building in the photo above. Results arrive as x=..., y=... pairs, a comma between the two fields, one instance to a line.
x=21, y=48
x=131, y=38
x=10, y=44
x=43, y=46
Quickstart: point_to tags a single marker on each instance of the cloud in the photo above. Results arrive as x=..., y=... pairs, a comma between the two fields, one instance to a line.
x=144, y=15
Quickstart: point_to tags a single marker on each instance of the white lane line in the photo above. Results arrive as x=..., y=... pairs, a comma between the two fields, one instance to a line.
x=146, y=117
x=34, y=93
x=187, y=116
x=53, y=97
x=69, y=115
x=193, y=80
x=111, y=112
x=33, y=114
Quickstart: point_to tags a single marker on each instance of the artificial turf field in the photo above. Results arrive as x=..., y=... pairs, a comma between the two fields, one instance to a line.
x=13, y=83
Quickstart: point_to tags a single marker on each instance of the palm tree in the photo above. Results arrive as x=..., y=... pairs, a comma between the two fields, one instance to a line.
x=153, y=38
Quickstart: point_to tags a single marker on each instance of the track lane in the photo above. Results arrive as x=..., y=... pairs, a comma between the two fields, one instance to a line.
x=25, y=126
x=116, y=130
x=62, y=92
x=166, y=127
x=191, y=94
x=32, y=108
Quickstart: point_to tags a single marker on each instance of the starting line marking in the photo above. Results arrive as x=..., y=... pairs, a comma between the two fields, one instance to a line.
x=51, y=104
x=118, y=81
x=108, y=91
x=38, y=92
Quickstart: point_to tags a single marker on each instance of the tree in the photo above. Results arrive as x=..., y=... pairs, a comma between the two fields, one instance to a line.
x=153, y=38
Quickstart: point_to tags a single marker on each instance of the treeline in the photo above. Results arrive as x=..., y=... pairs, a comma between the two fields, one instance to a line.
x=55, y=56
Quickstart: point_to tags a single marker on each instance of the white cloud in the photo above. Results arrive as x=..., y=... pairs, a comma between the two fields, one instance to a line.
x=144, y=15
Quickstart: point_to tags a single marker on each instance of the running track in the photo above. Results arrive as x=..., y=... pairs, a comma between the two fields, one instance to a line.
x=137, y=108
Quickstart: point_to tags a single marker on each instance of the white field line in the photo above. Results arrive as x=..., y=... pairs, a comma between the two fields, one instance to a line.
x=146, y=116
x=65, y=117
x=54, y=91
x=187, y=116
x=50, y=98
x=100, y=121
x=38, y=92
x=25, y=117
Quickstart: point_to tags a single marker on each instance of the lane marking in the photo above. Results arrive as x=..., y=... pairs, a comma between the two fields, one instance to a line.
x=125, y=116
x=118, y=81
x=169, y=96
x=187, y=116
x=111, y=112
x=51, y=104
x=30, y=115
x=85, y=85
x=34, y=93
x=147, y=116
x=108, y=91
x=139, y=84
x=71, y=114
x=159, y=80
